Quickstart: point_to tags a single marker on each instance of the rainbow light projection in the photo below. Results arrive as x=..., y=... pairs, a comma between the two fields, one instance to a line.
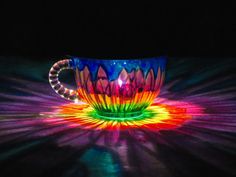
x=163, y=114
x=189, y=130
x=117, y=94
x=157, y=117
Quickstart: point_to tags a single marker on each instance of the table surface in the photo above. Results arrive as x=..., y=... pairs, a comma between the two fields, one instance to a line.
x=43, y=135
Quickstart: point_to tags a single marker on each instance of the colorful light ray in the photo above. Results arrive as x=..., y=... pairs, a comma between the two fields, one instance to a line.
x=32, y=141
x=38, y=114
x=157, y=117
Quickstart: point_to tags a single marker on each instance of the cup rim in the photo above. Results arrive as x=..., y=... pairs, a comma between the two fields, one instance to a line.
x=120, y=59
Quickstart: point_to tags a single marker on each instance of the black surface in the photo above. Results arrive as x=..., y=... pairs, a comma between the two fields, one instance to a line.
x=172, y=28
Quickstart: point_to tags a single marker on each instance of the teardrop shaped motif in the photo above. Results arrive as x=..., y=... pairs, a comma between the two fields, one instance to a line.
x=149, y=84
x=101, y=73
x=139, y=80
x=123, y=76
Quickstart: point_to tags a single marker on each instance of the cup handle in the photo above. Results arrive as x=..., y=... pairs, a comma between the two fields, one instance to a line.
x=54, y=72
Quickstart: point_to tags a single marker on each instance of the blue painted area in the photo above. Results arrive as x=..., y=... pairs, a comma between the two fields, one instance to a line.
x=114, y=66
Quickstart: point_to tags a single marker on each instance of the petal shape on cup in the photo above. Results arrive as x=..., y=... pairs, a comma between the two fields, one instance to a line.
x=101, y=86
x=158, y=79
x=101, y=73
x=149, y=84
x=139, y=80
x=114, y=88
x=123, y=76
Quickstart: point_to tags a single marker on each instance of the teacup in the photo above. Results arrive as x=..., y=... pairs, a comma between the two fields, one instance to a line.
x=113, y=87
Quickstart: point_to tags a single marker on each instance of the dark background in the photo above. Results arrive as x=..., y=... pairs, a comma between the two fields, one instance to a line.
x=172, y=28
x=192, y=34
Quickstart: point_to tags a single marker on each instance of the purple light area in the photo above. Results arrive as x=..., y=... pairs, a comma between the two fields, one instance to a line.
x=210, y=131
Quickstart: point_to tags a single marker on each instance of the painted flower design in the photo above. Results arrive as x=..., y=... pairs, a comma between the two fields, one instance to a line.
x=131, y=91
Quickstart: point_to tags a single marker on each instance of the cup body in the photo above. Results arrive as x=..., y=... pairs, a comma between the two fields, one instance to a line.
x=120, y=87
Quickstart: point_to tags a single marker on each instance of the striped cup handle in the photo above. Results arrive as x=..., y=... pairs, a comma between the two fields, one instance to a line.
x=54, y=72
